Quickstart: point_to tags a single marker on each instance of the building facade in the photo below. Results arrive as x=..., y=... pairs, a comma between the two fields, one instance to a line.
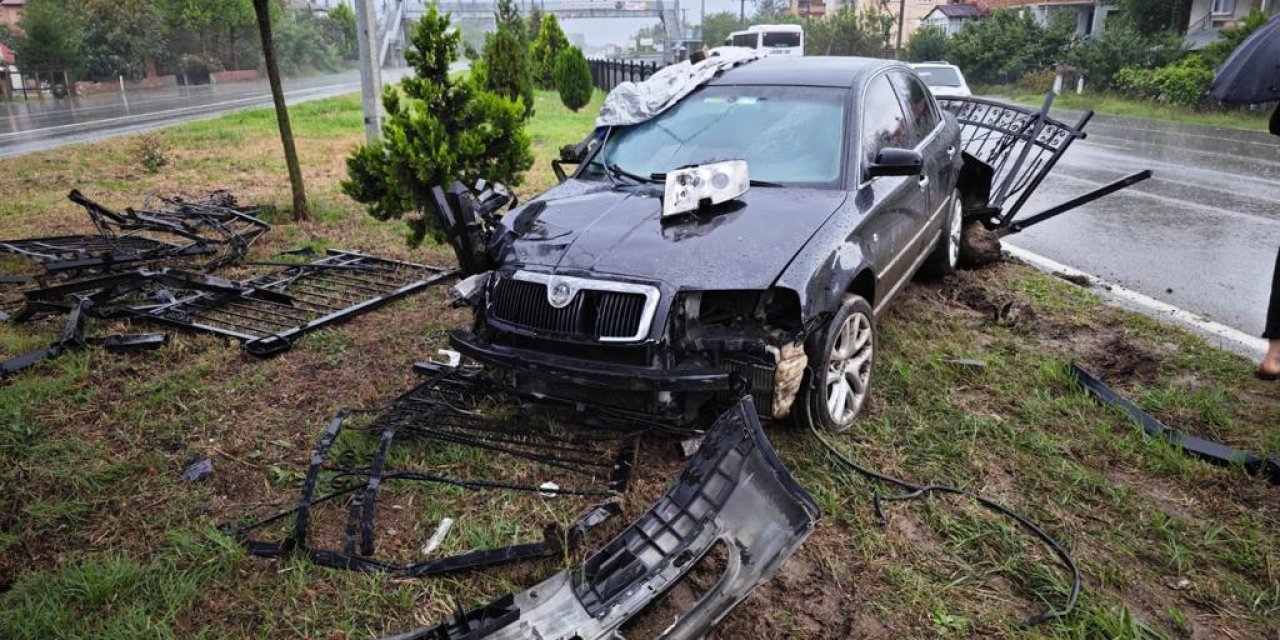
x=1208, y=17
x=951, y=18
x=11, y=11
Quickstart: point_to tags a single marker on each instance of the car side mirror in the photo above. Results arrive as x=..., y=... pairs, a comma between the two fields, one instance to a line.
x=892, y=161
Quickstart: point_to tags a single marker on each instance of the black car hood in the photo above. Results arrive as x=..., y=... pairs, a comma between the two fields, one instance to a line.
x=591, y=228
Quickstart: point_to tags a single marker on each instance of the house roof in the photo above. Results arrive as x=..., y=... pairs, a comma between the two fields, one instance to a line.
x=12, y=3
x=960, y=10
x=1001, y=4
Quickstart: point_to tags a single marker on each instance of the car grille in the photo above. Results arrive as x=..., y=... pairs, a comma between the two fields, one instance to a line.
x=593, y=314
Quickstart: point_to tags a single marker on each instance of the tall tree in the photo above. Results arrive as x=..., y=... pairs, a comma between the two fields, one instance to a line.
x=506, y=13
x=300, y=209
x=768, y=11
x=117, y=37
x=343, y=21
x=848, y=32
x=205, y=22
x=717, y=26
x=504, y=66
x=43, y=41
x=551, y=41
x=1154, y=16
x=534, y=21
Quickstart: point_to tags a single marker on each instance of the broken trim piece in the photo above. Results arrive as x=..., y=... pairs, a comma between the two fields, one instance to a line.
x=1207, y=450
x=735, y=490
x=73, y=337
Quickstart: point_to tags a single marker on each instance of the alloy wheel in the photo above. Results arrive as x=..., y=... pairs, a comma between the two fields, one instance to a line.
x=849, y=368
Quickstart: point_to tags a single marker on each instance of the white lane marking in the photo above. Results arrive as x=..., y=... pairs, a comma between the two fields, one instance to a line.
x=1220, y=335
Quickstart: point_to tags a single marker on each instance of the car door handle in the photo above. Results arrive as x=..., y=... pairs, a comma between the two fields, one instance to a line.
x=924, y=182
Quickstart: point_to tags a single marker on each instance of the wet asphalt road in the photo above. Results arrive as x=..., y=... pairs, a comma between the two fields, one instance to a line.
x=35, y=126
x=1202, y=234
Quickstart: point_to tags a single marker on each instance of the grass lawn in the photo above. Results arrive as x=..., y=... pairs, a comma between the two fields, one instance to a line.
x=1117, y=105
x=99, y=539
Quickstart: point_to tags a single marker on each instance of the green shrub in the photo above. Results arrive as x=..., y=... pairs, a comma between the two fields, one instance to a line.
x=1102, y=57
x=1036, y=81
x=1008, y=45
x=1184, y=83
x=927, y=44
x=436, y=130
x=573, y=78
x=545, y=51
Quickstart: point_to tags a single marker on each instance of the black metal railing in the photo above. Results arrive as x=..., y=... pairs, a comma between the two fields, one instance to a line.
x=607, y=74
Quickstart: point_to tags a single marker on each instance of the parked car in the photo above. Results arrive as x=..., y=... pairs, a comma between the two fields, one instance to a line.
x=943, y=79
x=745, y=238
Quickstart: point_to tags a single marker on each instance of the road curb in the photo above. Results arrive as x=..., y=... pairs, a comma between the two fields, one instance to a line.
x=1217, y=334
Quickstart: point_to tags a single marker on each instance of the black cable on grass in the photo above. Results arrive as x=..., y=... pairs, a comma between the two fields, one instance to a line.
x=915, y=491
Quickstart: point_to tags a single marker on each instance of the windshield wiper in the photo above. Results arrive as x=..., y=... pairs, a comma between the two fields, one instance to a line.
x=618, y=172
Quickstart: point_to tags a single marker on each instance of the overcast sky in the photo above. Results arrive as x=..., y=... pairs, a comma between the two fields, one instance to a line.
x=602, y=31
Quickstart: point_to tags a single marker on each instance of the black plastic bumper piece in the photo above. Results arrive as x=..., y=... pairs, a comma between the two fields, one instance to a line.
x=1214, y=452
x=586, y=372
x=735, y=491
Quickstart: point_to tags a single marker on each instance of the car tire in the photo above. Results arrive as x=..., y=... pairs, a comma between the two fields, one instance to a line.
x=841, y=356
x=946, y=254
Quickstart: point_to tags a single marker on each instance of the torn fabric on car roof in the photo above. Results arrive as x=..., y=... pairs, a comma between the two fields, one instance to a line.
x=636, y=102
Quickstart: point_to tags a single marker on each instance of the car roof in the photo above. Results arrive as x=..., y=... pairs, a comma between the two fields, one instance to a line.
x=810, y=71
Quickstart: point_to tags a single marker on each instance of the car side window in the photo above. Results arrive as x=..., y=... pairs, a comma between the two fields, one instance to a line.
x=920, y=110
x=883, y=122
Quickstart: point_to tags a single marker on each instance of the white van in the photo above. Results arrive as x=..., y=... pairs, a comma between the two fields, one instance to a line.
x=772, y=39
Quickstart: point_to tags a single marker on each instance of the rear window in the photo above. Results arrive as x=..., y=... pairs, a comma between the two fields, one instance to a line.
x=781, y=39
x=745, y=40
x=939, y=76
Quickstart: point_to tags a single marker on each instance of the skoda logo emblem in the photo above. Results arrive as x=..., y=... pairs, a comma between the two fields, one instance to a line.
x=559, y=294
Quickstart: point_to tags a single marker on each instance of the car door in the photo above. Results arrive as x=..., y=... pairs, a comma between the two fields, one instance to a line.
x=895, y=201
x=926, y=137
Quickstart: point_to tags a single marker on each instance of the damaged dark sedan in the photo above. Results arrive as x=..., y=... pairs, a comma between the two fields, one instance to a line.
x=743, y=238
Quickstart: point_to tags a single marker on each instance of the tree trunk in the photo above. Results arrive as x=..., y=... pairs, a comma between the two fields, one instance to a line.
x=300, y=210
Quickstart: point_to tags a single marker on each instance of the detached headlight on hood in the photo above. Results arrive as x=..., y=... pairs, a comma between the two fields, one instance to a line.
x=704, y=185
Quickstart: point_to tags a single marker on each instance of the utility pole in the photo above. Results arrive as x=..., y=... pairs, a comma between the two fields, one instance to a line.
x=742, y=13
x=370, y=68
x=902, y=15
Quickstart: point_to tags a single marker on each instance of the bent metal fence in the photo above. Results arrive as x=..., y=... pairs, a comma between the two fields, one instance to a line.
x=607, y=74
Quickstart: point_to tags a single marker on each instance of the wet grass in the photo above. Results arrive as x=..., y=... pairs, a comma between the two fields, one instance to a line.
x=99, y=539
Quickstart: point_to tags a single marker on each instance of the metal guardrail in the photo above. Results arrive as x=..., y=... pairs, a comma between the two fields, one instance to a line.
x=607, y=74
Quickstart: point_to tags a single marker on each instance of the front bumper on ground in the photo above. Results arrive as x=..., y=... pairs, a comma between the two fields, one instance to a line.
x=588, y=373
x=735, y=493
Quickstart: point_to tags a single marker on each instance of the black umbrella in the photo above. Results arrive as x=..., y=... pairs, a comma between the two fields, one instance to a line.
x=1252, y=74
